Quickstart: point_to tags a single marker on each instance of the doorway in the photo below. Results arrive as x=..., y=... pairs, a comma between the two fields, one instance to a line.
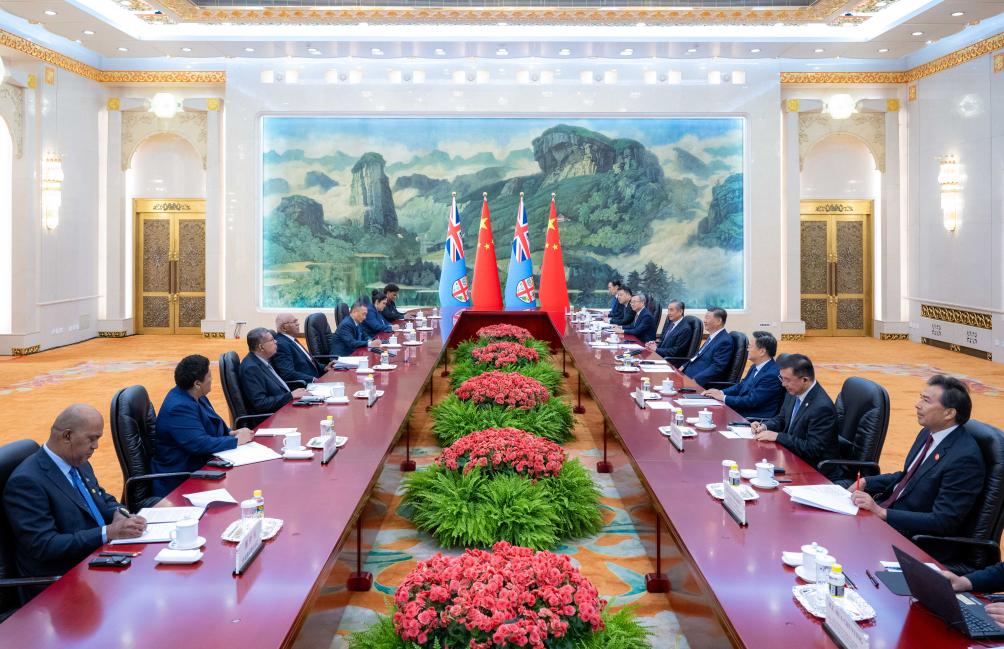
x=836, y=277
x=170, y=265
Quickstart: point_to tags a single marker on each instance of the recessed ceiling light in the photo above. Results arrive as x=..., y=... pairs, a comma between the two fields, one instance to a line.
x=818, y=50
x=502, y=52
x=956, y=14
x=564, y=52
x=440, y=51
x=88, y=32
x=883, y=50
x=755, y=50
x=186, y=49
x=376, y=51
x=917, y=34
x=691, y=50
x=627, y=51
x=249, y=49
x=314, y=50
x=50, y=12
x=123, y=49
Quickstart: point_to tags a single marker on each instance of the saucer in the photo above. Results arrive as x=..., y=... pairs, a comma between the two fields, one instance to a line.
x=793, y=559
x=180, y=557
x=667, y=393
x=364, y=370
x=295, y=450
x=334, y=401
x=413, y=343
x=698, y=426
x=361, y=394
x=647, y=396
x=626, y=369
x=318, y=442
x=385, y=368
x=803, y=574
x=304, y=454
x=389, y=346
x=199, y=542
x=764, y=485
x=423, y=328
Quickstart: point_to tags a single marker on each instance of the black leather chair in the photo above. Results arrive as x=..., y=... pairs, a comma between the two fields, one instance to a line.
x=740, y=350
x=317, y=332
x=341, y=311
x=654, y=307
x=697, y=326
x=978, y=544
x=230, y=380
x=11, y=581
x=133, y=420
x=862, y=423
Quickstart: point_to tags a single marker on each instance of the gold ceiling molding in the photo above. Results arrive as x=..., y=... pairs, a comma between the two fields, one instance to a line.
x=951, y=60
x=69, y=64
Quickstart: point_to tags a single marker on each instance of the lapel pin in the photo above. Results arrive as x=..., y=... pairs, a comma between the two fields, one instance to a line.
x=937, y=457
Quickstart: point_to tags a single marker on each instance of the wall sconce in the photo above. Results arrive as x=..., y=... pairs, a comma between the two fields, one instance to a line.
x=164, y=105
x=950, y=184
x=52, y=190
x=841, y=106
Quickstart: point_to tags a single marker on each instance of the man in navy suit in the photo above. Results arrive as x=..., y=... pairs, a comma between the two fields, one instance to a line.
x=625, y=315
x=188, y=429
x=711, y=362
x=616, y=308
x=291, y=361
x=643, y=323
x=263, y=388
x=759, y=394
x=676, y=334
x=56, y=508
x=944, y=470
x=350, y=336
x=807, y=422
x=988, y=580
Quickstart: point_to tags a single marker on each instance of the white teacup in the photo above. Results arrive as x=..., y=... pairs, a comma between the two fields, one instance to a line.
x=668, y=385
x=395, y=327
x=704, y=418
x=186, y=533
x=409, y=326
x=764, y=471
x=809, y=554
x=338, y=390
x=364, y=363
x=392, y=340
x=292, y=442
x=409, y=336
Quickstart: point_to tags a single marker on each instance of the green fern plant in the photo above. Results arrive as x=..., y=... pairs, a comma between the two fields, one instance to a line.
x=453, y=418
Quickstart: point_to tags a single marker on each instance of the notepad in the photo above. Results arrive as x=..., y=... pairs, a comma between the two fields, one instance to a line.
x=659, y=405
x=273, y=432
x=630, y=346
x=248, y=454
x=830, y=497
x=154, y=533
x=170, y=514
x=352, y=360
x=738, y=432
x=691, y=402
x=204, y=498
x=660, y=369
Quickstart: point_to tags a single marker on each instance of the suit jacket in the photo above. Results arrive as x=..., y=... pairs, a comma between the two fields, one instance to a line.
x=263, y=391
x=988, y=580
x=812, y=436
x=712, y=360
x=375, y=323
x=188, y=433
x=675, y=341
x=616, y=309
x=941, y=492
x=53, y=527
x=757, y=397
x=390, y=312
x=348, y=337
x=622, y=317
x=291, y=363
x=642, y=325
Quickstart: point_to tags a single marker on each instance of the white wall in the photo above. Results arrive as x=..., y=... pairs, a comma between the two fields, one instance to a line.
x=6, y=226
x=840, y=166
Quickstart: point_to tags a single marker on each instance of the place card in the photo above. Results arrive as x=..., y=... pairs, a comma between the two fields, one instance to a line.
x=248, y=548
x=329, y=449
x=734, y=504
x=639, y=399
x=676, y=437
x=842, y=627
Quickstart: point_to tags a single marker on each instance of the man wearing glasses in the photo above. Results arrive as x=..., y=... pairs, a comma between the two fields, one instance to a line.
x=263, y=388
x=291, y=361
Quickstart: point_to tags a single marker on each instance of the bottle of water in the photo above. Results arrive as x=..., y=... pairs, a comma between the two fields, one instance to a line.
x=836, y=580
x=260, y=500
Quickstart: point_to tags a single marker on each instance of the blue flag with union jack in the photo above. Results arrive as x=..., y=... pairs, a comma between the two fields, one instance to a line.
x=520, y=293
x=454, y=288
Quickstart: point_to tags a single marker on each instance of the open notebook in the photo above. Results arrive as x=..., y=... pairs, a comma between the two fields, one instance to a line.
x=831, y=497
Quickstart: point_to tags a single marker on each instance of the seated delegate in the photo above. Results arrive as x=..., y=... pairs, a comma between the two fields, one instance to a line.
x=760, y=393
x=291, y=361
x=711, y=362
x=375, y=323
x=642, y=324
x=676, y=333
x=349, y=335
x=263, y=388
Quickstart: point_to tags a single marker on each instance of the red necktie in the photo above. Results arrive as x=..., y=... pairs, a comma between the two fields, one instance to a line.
x=898, y=489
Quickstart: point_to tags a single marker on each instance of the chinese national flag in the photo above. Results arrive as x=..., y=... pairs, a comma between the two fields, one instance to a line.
x=487, y=292
x=553, y=293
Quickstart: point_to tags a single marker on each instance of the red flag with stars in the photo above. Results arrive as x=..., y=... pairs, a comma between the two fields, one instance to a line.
x=553, y=293
x=487, y=292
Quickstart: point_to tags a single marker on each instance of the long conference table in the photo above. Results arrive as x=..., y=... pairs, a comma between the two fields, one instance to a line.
x=739, y=569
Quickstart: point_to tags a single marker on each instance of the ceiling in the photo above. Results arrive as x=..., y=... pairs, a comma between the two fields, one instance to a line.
x=201, y=29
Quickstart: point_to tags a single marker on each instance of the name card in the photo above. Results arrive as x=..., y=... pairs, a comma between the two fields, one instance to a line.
x=249, y=547
x=676, y=437
x=372, y=397
x=639, y=398
x=329, y=449
x=842, y=628
x=734, y=504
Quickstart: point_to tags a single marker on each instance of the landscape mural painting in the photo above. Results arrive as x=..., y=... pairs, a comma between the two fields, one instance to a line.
x=352, y=203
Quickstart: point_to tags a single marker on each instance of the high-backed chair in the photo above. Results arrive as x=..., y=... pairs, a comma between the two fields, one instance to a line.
x=133, y=421
x=230, y=381
x=740, y=348
x=697, y=327
x=11, y=581
x=862, y=422
x=317, y=332
x=341, y=311
x=653, y=306
x=978, y=543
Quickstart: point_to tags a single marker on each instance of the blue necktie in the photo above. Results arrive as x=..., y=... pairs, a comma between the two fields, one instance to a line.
x=79, y=484
x=794, y=411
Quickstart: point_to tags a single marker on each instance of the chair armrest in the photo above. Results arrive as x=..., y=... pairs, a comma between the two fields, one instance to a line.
x=18, y=582
x=247, y=418
x=986, y=544
x=851, y=463
x=718, y=385
x=147, y=478
x=292, y=385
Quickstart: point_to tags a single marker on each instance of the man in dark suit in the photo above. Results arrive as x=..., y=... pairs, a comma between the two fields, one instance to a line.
x=263, y=388
x=944, y=470
x=988, y=580
x=390, y=312
x=56, y=508
x=350, y=335
x=676, y=335
x=807, y=423
x=711, y=362
x=625, y=315
x=759, y=394
x=643, y=323
x=616, y=308
x=291, y=361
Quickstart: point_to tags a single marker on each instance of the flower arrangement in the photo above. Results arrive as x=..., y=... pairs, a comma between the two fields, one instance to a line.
x=504, y=353
x=504, y=332
x=505, y=449
x=503, y=388
x=529, y=358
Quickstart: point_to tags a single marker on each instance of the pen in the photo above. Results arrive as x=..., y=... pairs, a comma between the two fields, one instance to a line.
x=872, y=577
x=850, y=581
x=784, y=480
x=857, y=484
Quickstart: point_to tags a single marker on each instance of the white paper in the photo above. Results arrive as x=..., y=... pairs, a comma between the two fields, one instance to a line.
x=630, y=346
x=660, y=405
x=603, y=345
x=248, y=454
x=654, y=361
x=739, y=432
x=170, y=514
x=660, y=369
x=830, y=497
x=203, y=498
x=154, y=533
x=273, y=432
x=352, y=360
x=894, y=566
x=690, y=402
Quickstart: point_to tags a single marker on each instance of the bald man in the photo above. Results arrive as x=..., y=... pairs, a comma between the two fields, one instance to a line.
x=291, y=361
x=55, y=506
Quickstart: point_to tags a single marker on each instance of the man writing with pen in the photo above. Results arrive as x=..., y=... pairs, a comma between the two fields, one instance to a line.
x=58, y=511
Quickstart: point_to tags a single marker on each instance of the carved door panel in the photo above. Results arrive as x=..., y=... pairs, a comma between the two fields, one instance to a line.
x=170, y=265
x=836, y=268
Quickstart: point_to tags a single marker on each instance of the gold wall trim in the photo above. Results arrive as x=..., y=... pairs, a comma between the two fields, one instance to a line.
x=112, y=334
x=999, y=62
x=836, y=207
x=843, y=78
x=968, y=351
x=958, y=316
x=214, y=334
x=80, y=68
x=25, y=351
x=792, y=337
x=894, y=337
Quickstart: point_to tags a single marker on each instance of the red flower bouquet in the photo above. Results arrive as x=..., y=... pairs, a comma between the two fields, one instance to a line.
x=504, y=332
x=500, y=449
x=509, y=597
x=504, y=389
x=501, y=354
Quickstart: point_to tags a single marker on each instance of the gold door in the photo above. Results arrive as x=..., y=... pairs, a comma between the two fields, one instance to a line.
x=170, y=265
x=836, y=268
